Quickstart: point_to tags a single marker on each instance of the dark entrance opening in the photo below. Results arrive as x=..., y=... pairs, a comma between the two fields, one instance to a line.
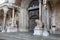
x=33, y=14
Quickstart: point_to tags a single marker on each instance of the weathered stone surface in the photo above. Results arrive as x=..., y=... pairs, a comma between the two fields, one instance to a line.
x=25, y=36
x=18, y=2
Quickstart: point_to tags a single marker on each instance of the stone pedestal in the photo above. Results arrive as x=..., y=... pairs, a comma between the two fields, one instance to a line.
x=38, y=28
x=3, y=30
x=37, y=31
x=45, y=33
x=12, y=30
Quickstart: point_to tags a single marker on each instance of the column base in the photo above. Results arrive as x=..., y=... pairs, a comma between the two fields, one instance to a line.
x=3, y=30
x=23, y=30
x=45, y=33
x=12, y=30
x=37, y=32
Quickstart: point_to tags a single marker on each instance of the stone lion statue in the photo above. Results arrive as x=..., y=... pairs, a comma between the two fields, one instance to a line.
x=39, y=24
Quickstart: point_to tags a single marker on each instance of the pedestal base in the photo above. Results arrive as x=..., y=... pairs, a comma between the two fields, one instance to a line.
x=45, y=33
x=3, y=30
x=12, y=30
x=37, y=32
x=23, y=30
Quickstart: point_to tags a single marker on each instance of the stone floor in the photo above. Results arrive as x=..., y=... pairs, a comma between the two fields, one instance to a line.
x=26, y=36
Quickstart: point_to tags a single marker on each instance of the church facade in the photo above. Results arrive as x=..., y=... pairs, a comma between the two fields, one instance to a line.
x=20, y=15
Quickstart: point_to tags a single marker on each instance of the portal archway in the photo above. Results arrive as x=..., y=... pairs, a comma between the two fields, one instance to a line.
x=24, y=15
x=33, y=14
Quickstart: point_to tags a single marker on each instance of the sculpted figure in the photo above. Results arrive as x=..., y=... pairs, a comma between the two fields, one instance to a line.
x=38, y=28
x=39, y=24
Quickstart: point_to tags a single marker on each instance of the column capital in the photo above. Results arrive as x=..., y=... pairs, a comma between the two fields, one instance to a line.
x=44, y=2
x=41, y=1
x=5, y=9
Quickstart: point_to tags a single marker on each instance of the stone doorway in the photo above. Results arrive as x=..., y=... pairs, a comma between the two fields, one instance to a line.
x=33, y=14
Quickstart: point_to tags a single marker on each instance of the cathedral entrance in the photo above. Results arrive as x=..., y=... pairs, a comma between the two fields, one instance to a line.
x=33, y=14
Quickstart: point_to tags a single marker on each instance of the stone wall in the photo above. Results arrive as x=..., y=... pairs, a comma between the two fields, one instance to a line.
x=18, y=2
x=58, y=15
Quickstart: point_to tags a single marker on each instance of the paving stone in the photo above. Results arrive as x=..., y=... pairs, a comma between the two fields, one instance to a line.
x=24, y=36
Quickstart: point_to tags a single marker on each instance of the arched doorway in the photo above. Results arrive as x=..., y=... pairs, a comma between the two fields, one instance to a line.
x=33, y=14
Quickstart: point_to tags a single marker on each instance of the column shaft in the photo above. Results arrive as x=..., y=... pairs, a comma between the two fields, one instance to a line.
x=13, y=18
x=23, y=20
x=40, y=10
x=53, y=17
x=44, y=14
x=4, y=22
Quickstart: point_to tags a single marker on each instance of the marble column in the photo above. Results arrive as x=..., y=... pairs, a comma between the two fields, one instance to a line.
x=45, y=32
x=53, y=17
x=48, y=17
x=40, y=10
x=13, y=17
x=23, y=20
x=44, y=15
x=5, y=9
